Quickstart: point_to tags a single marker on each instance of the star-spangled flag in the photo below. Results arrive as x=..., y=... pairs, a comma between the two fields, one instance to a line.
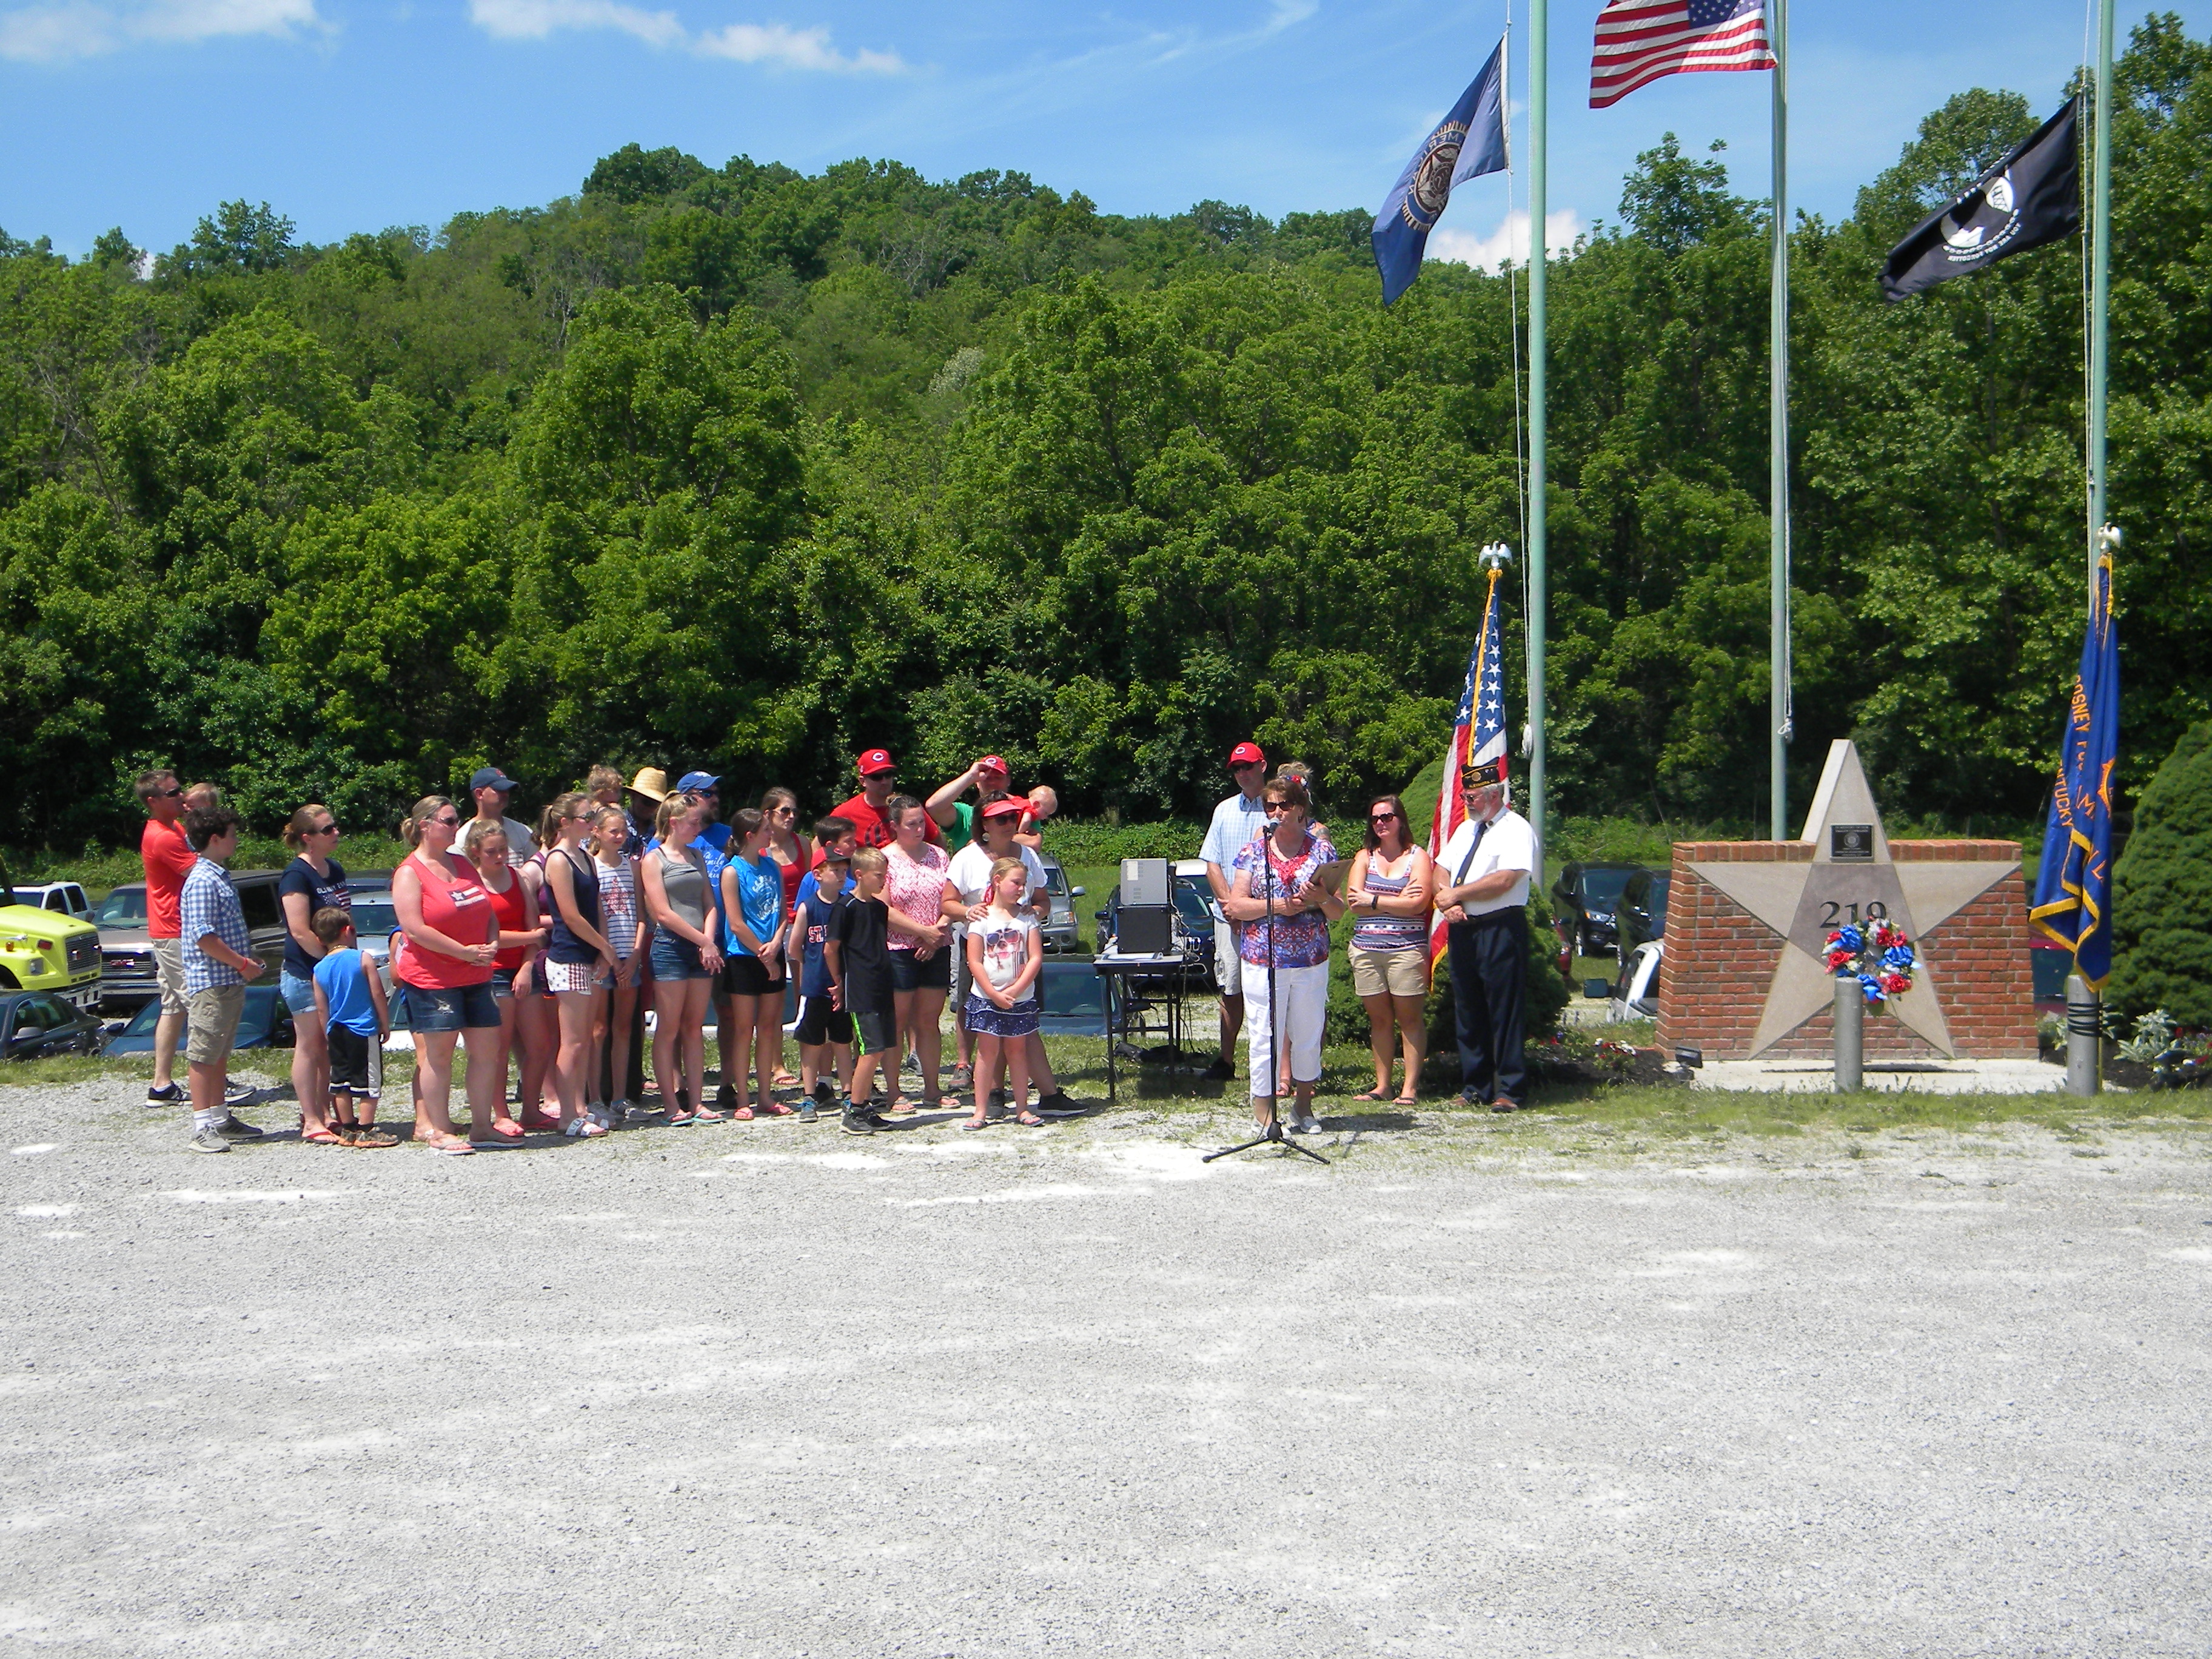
x=2073, y=887
x=1478, y=740
x=1640, y=40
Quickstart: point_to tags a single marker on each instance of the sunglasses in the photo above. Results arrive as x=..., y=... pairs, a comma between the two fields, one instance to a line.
x=450, y=823
x=167, y=794
x=1275, y=807
x=1382, y=818
x=327, y=829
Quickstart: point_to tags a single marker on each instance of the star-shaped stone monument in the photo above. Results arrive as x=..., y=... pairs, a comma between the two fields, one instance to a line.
x=1851, y=880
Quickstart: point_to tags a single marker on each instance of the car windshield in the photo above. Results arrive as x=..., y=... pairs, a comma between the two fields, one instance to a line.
x=373, y=918
x=1055, y=879
x=124, y=908
x=1192, y=897
x=1601, y=887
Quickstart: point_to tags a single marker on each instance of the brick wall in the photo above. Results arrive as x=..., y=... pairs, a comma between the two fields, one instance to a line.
x=1720, y=959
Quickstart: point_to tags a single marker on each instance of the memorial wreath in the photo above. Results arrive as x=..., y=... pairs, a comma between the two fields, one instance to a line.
x=1878, y=956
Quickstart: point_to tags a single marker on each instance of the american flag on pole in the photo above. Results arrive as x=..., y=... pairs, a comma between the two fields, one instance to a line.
x=1640, y=40
x=1478, y=740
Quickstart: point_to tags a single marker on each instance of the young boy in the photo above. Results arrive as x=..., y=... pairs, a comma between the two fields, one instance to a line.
x=857, y=951
x=214, y=943
x=349, y=1002
x=833, y=839
x=825, y=1031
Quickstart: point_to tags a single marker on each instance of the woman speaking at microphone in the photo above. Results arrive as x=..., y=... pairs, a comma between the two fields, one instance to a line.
x=1276, y=892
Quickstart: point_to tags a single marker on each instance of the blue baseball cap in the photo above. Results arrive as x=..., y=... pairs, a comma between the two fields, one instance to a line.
x=490, y=777
x=698, y=782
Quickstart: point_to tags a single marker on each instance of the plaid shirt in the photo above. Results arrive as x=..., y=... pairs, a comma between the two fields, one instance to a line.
x=210, y=905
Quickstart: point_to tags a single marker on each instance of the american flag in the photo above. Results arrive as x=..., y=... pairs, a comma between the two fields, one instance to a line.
x=1640, y=40
x=1478, y=740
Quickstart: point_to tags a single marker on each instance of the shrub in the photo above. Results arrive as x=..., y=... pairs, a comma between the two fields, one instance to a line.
x=2162, y=892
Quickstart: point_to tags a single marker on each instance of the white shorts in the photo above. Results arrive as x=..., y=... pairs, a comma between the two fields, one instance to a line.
x=1228, y=966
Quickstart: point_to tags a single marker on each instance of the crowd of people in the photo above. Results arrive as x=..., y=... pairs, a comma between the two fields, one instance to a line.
x=535, y=953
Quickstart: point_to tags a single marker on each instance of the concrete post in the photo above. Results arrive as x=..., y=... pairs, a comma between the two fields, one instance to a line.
x=2084, y=1032
x=1851, y=1035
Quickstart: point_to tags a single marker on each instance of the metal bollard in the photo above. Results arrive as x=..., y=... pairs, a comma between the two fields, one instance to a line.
x=2084, y=1036
x=1851, y=1035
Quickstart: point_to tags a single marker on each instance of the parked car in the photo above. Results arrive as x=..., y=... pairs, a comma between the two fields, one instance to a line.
x=1636, y=995
x=43, y=950
x=1588, y=895
x=36, y=1024
x=1193, y=899
x=1641, y=914
x=66, y=897
x=1060, y=931
x=126, y=949
x=2050, y=965
x=265, y=1023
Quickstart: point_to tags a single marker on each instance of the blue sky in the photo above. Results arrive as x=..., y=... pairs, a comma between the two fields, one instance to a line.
x=353, y=114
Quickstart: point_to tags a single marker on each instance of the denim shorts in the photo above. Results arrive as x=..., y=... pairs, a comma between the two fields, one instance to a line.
x=930, y=973
x=460, y=1008
x=676, y=958
x=298, y=993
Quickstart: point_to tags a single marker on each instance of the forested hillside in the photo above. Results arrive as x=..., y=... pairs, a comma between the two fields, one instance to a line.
x=738, y=467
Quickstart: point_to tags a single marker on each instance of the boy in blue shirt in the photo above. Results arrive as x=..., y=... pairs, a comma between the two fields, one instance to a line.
x=349, y=1002
x=824, y=1032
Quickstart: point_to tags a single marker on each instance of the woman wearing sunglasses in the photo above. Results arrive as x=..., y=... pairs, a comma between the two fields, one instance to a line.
x=1389, y=897
x=313, y=881
x=452, y=940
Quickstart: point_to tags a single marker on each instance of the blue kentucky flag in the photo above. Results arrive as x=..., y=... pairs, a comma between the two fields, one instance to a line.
x=1467, y=143
x=2074, y=889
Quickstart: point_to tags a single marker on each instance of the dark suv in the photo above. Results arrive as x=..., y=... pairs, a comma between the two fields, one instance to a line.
x=126, y=949
x=1589, y=897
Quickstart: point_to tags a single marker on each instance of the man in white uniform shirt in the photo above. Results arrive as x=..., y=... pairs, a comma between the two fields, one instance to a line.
x=1237, y=823
x=1483, y=895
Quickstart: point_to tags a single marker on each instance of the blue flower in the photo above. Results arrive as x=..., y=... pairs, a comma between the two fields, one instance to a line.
x=1872, y=986
x=1898, y=958
x=1850, y=939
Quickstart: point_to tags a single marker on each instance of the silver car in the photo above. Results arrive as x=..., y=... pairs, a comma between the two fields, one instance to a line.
x=1059, y=930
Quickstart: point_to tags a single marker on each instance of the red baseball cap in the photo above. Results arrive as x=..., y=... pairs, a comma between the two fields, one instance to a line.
x=1011, y=806
x=873, y=761
x=1247, y=754
x=992, y=763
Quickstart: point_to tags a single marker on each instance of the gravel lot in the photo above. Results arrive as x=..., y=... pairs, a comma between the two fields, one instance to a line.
x=761, y=1390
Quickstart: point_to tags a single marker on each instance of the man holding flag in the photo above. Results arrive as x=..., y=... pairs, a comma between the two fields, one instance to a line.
x=1485, y=853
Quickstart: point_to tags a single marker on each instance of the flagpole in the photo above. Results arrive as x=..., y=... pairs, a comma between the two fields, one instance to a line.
x=2101, y=223
x=1778, y=575
x=1539, y=67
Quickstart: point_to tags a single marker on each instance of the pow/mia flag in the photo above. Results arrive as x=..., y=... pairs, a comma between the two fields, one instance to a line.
x=2032, y=197
x=1470, y=141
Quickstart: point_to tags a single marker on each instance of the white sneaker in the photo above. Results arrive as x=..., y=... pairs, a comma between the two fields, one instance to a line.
x=1292, y=1123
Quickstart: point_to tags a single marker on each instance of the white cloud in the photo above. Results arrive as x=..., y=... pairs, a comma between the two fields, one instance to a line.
x=803, y=49
x=774, y=43
x=534, y=19
x=1509, y=241
x=54, y=34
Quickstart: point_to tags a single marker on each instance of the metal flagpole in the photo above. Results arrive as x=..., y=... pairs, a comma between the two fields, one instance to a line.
x=1539, y=67
x=1777, y=603
x=2100, y=210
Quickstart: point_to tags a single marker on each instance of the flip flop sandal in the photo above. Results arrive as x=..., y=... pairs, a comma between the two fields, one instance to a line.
x=371, y=1136
x=970, y=1123
x=507, y=1129
x=1374, y=1095
x=1033, y=1123
x=451, y=1146
x=324, y=1137
x=740, y=1114
x=1405, y=1100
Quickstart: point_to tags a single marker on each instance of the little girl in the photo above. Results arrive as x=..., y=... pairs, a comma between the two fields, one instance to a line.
x=1003, y=961
x=625, y=928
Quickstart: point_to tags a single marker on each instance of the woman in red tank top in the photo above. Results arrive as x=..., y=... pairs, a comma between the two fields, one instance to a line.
x=452, y=936
x=484, y=843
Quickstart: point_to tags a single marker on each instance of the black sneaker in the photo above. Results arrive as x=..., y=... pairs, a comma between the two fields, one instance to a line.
x=209, y=1139
x=726, y=1098
x=169, y=1094
x=823, y=1095
x=858, y=1122
x=232, y=1127
x=1057, y=1102
x=239, y=1094
x=1220, y=1072
x=996, y=1113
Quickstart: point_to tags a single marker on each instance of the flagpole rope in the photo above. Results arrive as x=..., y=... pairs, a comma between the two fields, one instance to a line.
x=1513, y=334
x=2089, y=480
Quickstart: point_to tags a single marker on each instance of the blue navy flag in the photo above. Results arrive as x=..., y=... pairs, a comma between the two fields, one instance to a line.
x=2074, y=889
x=1467, y=143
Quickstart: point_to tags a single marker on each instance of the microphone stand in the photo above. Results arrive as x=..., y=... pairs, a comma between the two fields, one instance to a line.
x=1274, y=1132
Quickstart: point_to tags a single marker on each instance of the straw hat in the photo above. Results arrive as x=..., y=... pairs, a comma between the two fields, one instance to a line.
x=651, y=782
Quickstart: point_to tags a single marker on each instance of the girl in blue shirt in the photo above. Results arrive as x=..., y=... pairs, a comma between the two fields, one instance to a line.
x=753, y=934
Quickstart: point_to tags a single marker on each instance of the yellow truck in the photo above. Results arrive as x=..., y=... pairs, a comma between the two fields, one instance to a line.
x=43, y=950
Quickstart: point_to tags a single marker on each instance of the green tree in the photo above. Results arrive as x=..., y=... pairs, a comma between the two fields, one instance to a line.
x=2162, y=892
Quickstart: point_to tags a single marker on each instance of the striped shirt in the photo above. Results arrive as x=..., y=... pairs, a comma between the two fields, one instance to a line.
x=1377, y=930
x=209, y=905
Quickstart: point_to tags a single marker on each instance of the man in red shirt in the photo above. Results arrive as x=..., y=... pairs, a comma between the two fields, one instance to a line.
x=864, y=812
x=169, y=858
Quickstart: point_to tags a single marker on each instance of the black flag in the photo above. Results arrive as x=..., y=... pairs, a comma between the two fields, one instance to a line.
x=2032, y=197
